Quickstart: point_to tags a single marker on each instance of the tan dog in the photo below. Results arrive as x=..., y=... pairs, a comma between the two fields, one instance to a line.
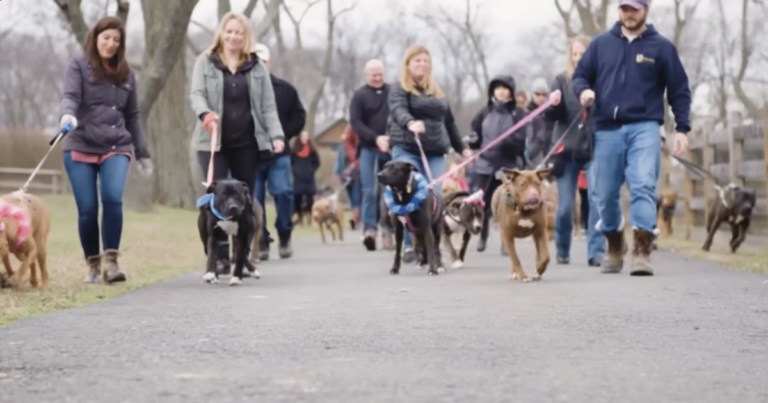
x=519, y=209
x=32, y=249
x=549, y=195
x=666, y=211
x=326, y=212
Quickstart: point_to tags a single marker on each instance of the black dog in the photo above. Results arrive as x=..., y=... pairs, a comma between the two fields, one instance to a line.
x=227, y=210
x=461, y=215
x=423, y=222
x=733, y=205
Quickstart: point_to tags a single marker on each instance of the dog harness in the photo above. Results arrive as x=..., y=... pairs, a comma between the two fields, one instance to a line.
x=24, y=226
x=210, y=200
x=422, y=191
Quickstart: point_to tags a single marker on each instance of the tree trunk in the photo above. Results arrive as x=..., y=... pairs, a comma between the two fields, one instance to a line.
x=170, y=140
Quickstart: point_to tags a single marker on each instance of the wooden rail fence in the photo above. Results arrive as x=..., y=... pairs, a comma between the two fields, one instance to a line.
x=46, y=180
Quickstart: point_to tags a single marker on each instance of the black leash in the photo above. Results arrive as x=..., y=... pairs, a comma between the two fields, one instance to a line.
x=581, y=116
x=694, y=167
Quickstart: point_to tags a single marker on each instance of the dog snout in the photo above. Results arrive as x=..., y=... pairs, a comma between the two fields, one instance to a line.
x=533, y=198
x=234, y=209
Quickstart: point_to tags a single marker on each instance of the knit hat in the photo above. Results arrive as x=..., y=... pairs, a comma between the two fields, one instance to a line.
x=540, y=85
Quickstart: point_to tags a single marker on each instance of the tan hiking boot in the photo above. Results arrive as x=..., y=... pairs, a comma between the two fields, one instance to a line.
x=641, y=253
x=112, y=272
x=94, y=269
x=369, y=239
x=617, y=248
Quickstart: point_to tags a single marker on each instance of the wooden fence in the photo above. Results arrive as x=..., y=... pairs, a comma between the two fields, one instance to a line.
x=733, y=154
x=46, y=180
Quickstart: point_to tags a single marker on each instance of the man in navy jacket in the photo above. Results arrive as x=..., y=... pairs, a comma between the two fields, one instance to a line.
x=624, y=73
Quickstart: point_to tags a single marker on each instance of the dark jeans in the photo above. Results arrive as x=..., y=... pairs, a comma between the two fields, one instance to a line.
x=82, y=177
x=241, y=162
x=489, y=184
x=584, y=209
x=275, y=177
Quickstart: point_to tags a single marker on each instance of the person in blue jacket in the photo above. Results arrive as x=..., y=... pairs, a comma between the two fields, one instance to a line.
x=624, y=74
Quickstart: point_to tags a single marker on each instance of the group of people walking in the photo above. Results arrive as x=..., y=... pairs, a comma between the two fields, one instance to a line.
x=620, y=76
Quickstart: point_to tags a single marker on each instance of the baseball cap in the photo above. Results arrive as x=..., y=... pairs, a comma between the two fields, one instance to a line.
x=262, y=51
x=636, y=4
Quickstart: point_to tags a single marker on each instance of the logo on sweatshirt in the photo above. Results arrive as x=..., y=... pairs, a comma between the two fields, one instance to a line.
x=644, y=59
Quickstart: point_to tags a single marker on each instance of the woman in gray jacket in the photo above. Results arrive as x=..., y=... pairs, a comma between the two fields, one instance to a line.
x=231, y=92
x=100, y=102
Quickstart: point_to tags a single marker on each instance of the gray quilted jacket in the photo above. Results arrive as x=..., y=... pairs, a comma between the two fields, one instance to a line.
x=107, y=114
x=206, y=93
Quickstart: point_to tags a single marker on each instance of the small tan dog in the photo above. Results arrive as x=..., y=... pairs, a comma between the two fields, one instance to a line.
x=666, y=211
x=327, y=212
x=25, y=222
x=519, y=209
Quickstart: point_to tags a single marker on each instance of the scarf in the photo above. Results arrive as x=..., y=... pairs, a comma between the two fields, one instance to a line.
x=24, y=226
x=304, y=152
x=422, y=189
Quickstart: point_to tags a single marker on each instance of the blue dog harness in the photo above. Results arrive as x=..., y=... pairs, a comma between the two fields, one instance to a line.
x=422, y=190
x=209, y=199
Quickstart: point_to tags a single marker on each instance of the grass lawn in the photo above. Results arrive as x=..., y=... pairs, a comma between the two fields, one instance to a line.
x=745, y=258
x=155, y=247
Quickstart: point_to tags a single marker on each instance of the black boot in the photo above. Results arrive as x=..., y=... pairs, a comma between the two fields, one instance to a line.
x=264, y=248
x=223, y=266
x=285, y=250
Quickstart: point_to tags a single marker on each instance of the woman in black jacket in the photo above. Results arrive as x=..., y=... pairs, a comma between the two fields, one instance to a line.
x=304, y=164
x=574, y=157
x=498, y=116
x=100, y=103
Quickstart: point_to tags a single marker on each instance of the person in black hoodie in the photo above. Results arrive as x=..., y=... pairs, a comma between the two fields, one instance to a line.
x=275, y=175
x=498, y=116
x=572, y=159
x=304, y=163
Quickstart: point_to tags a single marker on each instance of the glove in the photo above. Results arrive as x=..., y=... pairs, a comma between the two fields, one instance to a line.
x=144, y=167
x=67, y=122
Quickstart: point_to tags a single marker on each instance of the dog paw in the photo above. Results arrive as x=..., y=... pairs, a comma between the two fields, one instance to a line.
x=526, y=280
x=441, y=269
x=255, y=274
x=210, y=278
x=235, y=281
x=514, y=276
x=458, y=264
x=432, y=272
x=394, y=271
x=536, y=277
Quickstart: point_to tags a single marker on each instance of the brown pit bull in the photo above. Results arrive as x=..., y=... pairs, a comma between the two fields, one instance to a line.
x=665, y=209
x=519, y=209
x=25, y=222
x=328, y=212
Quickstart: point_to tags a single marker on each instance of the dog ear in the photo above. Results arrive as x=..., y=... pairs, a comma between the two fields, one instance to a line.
x=543, y=173
x=211, y=187
x=509, y=173
x=454, y=207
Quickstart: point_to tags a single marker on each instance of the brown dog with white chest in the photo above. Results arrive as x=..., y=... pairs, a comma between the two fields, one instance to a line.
x=25, y=222
x=327, y=213
x=519, y=209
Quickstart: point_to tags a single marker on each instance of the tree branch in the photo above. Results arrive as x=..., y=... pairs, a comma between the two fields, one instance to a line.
x=250, y=7
x=273, y=11
x=224, y=7
x=204, y=27
x=74, y=16
x=746, y=52
x=566, y=17
x=123, y=7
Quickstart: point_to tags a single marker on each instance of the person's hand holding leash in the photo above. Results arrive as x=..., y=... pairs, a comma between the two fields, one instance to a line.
x=680, y=144
x=383, y=143
x=466, y=154
x=587, y=97
x=68, y=120
x=417, y=127
x=556, y=96
x=210, y=122
x=278, y=145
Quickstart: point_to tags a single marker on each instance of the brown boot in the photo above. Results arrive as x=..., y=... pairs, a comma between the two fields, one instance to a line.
x=94, y=269
x=617, y=248
x=112, y=272
x=641, y=253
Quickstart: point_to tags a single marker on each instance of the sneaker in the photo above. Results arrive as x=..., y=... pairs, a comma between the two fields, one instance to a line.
x=594, y=262
x=408, y=255
x=284, y=250
x=563, y=259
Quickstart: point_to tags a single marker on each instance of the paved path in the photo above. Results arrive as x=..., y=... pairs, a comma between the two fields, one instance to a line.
x=331, y=325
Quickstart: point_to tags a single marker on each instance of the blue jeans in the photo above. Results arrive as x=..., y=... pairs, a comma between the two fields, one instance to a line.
x=436, y=167
x=354, y=191
x=566, y=199
x=276, y=177
x=631, y=153
x=370, y=163
x=82, y=177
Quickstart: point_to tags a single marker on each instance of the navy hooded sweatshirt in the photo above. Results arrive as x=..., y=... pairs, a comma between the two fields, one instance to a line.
x=629, y=79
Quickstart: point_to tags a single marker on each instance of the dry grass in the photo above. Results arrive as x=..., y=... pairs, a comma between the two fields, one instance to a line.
x=155, y=247
x=745, y=258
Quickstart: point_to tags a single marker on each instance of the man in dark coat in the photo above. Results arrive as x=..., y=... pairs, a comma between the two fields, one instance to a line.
x=275, y=175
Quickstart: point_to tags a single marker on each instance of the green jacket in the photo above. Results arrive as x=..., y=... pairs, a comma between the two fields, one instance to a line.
x=206, y=93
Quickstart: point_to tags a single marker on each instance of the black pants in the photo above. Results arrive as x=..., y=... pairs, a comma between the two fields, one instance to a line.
x=243, y=163
x=302, y=202
x=489, y=184
x=584, y=208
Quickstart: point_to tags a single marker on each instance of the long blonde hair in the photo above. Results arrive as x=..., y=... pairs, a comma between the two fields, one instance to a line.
x=249, y=40
x=569, y=66
x=428, y=84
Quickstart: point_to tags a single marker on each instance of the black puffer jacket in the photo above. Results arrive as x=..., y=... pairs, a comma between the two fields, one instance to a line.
x=441, y=131
x=577, y=145
x=508, y=153
x=107, y=114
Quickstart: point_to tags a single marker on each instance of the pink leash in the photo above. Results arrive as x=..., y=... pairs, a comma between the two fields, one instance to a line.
x=424, y=160
x=492, y=144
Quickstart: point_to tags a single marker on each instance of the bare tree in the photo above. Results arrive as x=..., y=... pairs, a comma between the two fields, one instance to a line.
x=747, y=49
x=592, y=19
